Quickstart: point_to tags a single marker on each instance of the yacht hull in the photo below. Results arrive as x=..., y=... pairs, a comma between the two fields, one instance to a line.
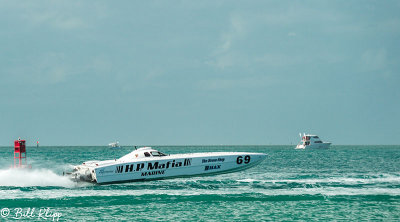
x=178, y=165
x=314, y=146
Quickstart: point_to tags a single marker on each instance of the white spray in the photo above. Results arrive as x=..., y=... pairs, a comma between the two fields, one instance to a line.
x=32, y=177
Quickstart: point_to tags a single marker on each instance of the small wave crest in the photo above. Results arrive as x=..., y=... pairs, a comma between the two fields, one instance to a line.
x=32, y=177
x=391, y=179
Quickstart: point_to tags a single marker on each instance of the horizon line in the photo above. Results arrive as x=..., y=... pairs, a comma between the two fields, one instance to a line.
x=148, y=145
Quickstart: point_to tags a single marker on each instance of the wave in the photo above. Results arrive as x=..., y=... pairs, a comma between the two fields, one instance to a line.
x=14, y=177
x=136, y=190
x=141, y=196
x=350, y=179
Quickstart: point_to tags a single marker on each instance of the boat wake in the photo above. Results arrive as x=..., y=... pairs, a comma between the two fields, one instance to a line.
x=33, y=177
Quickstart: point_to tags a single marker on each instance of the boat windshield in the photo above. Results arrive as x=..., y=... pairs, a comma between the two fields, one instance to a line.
x=157, y=153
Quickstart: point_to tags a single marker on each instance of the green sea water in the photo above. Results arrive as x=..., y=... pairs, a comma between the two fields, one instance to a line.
x=349, y=183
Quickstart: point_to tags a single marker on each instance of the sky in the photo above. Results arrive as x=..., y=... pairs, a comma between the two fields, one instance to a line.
x=199, y=72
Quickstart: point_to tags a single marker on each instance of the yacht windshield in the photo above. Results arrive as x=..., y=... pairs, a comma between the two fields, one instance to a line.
x=156, y=153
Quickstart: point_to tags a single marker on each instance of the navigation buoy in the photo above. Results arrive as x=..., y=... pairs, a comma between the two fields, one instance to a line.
x=20, y=154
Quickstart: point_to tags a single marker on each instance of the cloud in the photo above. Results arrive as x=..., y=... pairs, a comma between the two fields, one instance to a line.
x=246, y=82
x=45, y=69
x=48, y=68
x=56, y=19
x=373, y=60
x=100, y=64
x=223, y=56
x=62, y=15
x=222, y=61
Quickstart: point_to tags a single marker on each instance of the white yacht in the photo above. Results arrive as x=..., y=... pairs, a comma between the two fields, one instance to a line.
x=149, y=164
x=114, y=145
x=312, y=141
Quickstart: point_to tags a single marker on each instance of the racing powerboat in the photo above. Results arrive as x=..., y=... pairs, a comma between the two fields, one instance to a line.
x=149, y=164
x=312, y=141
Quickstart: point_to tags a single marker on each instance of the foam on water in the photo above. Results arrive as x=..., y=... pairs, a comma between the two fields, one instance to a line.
x=202, y=186
x=54, y=194
x=32, y=177
x=392, y=179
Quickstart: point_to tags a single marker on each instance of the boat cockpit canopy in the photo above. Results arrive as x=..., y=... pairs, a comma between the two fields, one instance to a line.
x=157, y=153
x=143, y=152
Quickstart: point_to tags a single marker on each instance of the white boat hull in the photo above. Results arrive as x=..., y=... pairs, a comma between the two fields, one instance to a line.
x=178, y=165
x=314, y=146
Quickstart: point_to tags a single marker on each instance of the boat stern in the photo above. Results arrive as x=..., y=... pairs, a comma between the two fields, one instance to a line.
x=82, y=173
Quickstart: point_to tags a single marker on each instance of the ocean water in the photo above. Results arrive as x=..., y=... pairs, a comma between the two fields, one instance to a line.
x=349, y=183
